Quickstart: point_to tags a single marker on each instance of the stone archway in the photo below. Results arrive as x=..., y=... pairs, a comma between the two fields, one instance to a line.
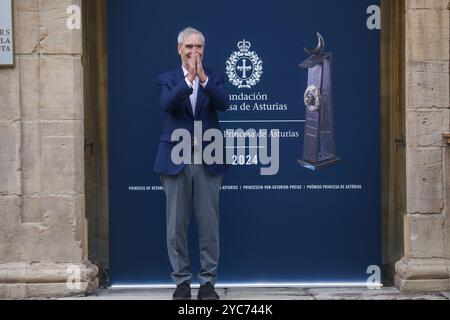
x=392, y=134
x=54, y=196
x=96, y=132
x=43, y=245
x=425, y=265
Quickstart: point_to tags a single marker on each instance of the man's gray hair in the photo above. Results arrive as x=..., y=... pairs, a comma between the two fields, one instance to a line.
x=187, y=32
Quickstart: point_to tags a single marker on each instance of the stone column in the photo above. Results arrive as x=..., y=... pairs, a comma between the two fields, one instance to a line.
x=425, y=265
x=43, y=243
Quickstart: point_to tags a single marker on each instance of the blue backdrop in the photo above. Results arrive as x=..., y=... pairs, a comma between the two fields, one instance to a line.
x=266, y=235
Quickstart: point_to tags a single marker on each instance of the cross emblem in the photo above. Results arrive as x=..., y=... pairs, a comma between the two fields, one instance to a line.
x=244, y=68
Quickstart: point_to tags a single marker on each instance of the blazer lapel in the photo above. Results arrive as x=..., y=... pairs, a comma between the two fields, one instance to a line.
x=186, y=102
x=200, y=101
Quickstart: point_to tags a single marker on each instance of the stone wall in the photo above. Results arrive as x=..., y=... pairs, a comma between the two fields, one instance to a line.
x=425, y=266
x=42, y=216
x=43, y=232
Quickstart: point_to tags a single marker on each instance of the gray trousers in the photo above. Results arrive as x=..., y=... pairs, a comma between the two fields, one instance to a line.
x=196, y=190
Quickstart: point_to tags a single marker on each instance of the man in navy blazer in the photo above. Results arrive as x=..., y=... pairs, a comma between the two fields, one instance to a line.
x=189, y=94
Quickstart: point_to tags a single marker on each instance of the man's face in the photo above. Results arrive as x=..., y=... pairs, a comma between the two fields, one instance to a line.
x=191, y=48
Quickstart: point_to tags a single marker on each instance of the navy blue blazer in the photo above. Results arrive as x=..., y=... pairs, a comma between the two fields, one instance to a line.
x=175, y=101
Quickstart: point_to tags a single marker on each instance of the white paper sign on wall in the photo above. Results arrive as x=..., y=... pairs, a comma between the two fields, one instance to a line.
x=6, y=34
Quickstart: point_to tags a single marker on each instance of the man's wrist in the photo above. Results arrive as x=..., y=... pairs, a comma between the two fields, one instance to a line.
x=205, y=83
x=203, y=78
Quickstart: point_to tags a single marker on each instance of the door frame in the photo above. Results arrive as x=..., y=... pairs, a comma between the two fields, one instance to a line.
x=392, y=111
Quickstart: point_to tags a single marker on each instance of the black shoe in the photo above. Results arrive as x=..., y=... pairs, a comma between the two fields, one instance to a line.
x=183, y=292
x=207, y=292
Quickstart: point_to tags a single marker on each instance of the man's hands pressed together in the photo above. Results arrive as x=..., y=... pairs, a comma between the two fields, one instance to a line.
x=200, y=72
x=192, y=69
x=195, y=69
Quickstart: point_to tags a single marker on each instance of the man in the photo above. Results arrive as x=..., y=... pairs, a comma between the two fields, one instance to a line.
x=191, y=93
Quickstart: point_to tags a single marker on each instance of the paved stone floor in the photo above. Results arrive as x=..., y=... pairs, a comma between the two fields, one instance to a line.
x=271, y=294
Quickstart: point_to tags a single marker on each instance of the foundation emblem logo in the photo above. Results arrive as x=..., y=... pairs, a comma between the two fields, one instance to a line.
x=244, y=67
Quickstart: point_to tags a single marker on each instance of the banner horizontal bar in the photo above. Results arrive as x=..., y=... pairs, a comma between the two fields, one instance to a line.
x=259, y=285
x=262, y=121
